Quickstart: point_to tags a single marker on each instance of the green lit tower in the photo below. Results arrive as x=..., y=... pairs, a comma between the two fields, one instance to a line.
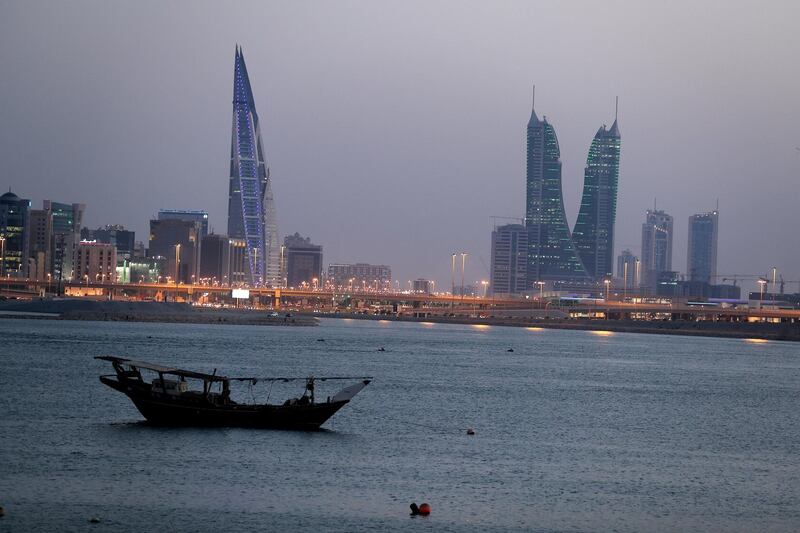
x=551, y=254
x=593, y=234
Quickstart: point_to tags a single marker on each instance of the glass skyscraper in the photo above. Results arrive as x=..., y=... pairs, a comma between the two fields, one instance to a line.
x=551, y=253
x=701, y=261
x=251, y=206
x=593, y=234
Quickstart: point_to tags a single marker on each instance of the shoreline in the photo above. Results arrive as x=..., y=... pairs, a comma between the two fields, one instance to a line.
x=732, y=330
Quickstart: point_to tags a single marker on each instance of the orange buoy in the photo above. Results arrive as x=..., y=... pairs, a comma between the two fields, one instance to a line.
x=424, y=509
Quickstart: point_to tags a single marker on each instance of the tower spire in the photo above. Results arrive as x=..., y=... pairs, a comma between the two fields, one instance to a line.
x=534, y=119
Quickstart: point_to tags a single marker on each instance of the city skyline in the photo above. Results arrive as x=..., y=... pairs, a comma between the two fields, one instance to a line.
x=383, y=147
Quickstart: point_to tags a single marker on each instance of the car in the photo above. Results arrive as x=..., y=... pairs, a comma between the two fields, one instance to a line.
x=273, y=314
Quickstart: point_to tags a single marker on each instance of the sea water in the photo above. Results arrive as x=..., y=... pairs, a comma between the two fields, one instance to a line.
x=574, y=431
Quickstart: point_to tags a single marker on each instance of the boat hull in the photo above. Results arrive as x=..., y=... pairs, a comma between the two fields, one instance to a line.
x=185, y=410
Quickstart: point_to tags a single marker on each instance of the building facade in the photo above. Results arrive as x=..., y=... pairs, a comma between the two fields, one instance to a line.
x=422, y=286
x=95, y=262
x=509, y=260
x=593, y=234
x=124, y=240
x=251, y=204
x=178, y=242
x=14, y=240
x=656, y=248
x=701, y=262
x=628, y=269
x=201, y=217
x=67, y=220
x=358, y=274
x=303, y=262
x=40, y=244
x=551, y=253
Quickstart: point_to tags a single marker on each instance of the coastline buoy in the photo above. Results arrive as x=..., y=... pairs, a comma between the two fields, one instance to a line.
x=470, y=431
x=94, y=520
x=424, y=509
x=510, y=350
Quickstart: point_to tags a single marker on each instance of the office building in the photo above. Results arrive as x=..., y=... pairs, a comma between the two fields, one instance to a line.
x=422, y=286
x=551, y=252
x=509, y=260
x=222, y=260
x=178, y=242
x=67, y=220
x=124, y=240
x=251, y=204
x=656, y=248
x=40, y=244
x=188, y=215
x=593, y=234
x=95, y=262
x=358, y=275
x=303, y=262
x=14, y=240
x=628, y=269
x=701, y=264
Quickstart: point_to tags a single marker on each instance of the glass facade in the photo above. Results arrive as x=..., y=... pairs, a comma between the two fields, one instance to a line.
x=551, y=253
x=251, y=211
x=593, y=234
x=702, y=256
x=14, y=227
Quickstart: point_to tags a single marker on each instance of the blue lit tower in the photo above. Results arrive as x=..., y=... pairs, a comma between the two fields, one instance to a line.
x=593, y=234
x=551, y=253
x=251, y=213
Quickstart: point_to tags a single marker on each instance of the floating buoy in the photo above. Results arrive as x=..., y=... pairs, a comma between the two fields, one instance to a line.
x=414, y=509
x=470, y=431
x=510, y=350
x=424, y=509
x=381, y=349
x=2, y=511
x=94, y=520
x=320, y=340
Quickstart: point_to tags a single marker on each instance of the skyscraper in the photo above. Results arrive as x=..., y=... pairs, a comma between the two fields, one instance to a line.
x=551, y=253
x=656, y=247
x=627, y=268
x=594, y=229
x=67, y=221
x=251, y=205
x=509, y=260
x=201, y=217
x=14, y=241
x=701, y=263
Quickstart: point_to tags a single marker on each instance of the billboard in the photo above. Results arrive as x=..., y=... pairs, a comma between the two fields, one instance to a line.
x=241, y=294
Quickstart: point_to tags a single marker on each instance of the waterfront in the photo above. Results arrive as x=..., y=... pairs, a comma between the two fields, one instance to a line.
x=576, y=430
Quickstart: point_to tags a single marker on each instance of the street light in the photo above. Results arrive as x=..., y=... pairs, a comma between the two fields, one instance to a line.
x=177, y=262
x=608, y=287
x=485, y=287
x=463, y=264
x=761, y=282
x=2, y=256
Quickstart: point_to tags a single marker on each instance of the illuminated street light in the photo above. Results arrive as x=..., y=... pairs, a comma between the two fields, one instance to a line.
x=608, y=287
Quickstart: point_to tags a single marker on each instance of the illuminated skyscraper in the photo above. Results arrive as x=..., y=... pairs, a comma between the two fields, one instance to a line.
x=551, y=253
x=251, y=206
x=656, y=247
x=593, y=234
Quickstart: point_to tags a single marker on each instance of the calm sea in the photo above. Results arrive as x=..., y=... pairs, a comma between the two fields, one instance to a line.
x=575, y=431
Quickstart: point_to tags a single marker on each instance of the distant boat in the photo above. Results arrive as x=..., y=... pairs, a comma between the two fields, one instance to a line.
x=168, y=400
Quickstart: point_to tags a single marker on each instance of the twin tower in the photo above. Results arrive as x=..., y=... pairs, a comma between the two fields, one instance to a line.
x=555, y=254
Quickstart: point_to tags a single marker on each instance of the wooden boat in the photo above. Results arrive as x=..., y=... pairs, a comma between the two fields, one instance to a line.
x=168, y=399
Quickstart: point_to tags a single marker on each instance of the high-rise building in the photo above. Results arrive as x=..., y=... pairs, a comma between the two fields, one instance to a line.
x=201, y=217
x=656, y=247
x=593, y=234
x=124, y=240
x=551, y=253
x=359, y=274
x=422, y=286
x=303, y=261
x=14, y=241
x=509, y=260
x=251, y=204
x=627, y=269
x=222, y=260
x=95, y=262
x=40, y=242
x=67, y=223
x=178, y=242
x=701, y=263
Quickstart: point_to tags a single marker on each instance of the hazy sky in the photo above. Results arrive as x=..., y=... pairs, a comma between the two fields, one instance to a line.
x=395, y=130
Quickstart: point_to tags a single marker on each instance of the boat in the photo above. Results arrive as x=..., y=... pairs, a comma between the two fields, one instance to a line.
x=167, y=398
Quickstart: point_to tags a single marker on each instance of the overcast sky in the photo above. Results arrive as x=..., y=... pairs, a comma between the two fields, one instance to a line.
x=395, y=130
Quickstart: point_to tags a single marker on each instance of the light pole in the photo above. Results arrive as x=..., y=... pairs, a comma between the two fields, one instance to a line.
x=453, y=276
x=485, y=287
x=774, y=275
x=608, y=304
x=761, y=283
x=637, y=280
x=625, y=281
x=177, y=262
x=2, y=256
x=463, y=265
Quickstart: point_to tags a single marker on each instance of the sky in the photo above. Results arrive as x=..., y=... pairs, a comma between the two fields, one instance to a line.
x=395, y=130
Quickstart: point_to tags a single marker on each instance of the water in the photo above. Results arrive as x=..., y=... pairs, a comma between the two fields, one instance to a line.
x=575, y=431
